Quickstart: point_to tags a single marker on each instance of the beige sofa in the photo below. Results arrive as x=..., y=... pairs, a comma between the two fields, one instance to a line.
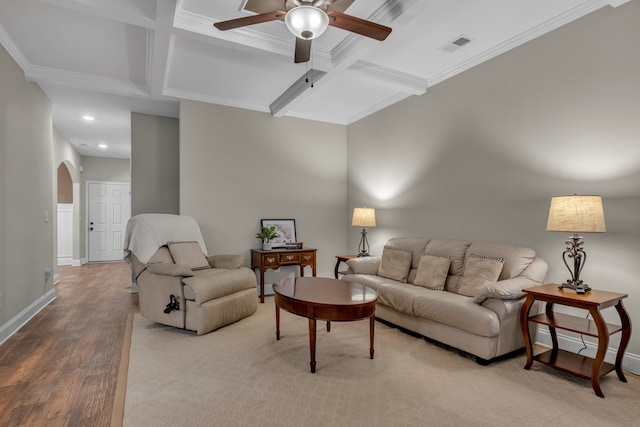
x=470, y=301
x=178, y=285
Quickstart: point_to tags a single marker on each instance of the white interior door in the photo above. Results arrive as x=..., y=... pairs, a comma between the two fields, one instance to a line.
x=109, y=211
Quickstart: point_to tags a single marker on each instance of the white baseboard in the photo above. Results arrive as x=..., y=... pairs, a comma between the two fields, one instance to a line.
x=56, y=279
x=76, y=263
x=83, y=261
x=630, y=362
x=65, y=260
x=14, y=325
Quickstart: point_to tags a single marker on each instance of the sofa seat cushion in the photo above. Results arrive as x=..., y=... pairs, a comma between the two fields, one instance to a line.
x=212, y=283
x=399, y=296
x=456, y=310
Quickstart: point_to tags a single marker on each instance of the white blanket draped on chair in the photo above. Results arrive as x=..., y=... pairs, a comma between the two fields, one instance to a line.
x=147, y=232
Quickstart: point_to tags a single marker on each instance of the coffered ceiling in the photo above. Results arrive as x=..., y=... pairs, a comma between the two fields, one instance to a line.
x=109, y=58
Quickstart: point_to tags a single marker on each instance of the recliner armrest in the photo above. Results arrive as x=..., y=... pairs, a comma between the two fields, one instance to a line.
x=167, y=269
x=229, y=262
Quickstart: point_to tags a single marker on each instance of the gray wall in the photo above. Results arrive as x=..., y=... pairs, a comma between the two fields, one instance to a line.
x=26, y=191
x=239, y=166
x=155, y=164
x=480, y=155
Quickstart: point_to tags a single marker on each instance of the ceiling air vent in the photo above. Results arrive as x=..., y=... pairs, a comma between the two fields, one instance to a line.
x=456, y=44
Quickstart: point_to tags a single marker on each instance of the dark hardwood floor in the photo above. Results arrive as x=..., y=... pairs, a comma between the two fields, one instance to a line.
x=61, y=368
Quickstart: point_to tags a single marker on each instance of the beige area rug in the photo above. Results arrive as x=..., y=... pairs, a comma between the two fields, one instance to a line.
x=241, y=376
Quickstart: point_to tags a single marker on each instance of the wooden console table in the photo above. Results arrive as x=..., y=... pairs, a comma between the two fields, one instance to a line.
x=593, y=301
x=276, y=258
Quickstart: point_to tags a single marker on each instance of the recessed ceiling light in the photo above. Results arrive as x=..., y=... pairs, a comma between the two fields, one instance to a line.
x=89, y=118
x=103, y=146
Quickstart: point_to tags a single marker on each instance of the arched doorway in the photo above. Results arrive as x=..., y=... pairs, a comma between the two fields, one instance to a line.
x=68, y=215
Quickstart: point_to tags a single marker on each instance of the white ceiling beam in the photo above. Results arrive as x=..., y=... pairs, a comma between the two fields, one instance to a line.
x=159, y=47
x=304, y=83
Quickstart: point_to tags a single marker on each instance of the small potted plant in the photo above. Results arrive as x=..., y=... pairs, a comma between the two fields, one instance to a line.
x=267, y=234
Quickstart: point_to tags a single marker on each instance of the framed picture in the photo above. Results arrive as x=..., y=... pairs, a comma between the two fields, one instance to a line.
x=286, y=229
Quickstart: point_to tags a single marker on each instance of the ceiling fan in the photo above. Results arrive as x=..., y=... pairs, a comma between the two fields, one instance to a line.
x=308, y=19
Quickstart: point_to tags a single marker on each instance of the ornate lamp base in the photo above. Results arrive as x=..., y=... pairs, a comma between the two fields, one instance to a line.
x=363, y=248
x=574, y=251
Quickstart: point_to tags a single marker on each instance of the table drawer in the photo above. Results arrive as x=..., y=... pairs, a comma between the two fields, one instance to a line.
x=270, y=260
x=306, y=258
x=291, y=258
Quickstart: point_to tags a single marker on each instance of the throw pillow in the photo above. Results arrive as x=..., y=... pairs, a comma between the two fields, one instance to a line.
x=395, y=264
x=188, y=254
x=432, y=272
x=479, y=272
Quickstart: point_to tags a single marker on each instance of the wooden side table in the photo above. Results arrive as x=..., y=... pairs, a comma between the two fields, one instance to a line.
x=593, y=301
x=276, y=258
x=341, y=259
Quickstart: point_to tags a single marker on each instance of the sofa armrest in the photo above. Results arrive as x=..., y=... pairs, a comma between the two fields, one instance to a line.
x=229, y=262
x=505, y=289
x=533, y=275
x=364, y=265
x=167, y=269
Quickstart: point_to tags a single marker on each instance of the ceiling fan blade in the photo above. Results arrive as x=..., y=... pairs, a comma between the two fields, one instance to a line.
x=250, y=20
x=358, y=26
x=303, y=50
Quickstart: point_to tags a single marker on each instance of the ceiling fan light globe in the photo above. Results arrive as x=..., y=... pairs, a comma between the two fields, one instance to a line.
x=306, y=22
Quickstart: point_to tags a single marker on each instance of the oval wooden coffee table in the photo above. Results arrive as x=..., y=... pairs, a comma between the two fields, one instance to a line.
x=322, y=298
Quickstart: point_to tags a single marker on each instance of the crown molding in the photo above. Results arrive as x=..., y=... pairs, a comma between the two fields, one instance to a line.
x=404, y=82
x=12, y=48
x=56, y=76
x=227, y=102
x=616, y=3
x=113, y=11
x=377, y=107
x=552, y=24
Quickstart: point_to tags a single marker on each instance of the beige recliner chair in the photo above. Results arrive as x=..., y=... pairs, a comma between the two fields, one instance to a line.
x=178, y=285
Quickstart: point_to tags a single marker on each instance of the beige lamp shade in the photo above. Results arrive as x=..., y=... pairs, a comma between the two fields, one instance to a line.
x=364, y=217
x=576, y=214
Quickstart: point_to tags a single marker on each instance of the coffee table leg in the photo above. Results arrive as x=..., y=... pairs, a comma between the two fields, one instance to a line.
x=372, y=327
x=277, y=322
x=312, y=344
x=328, y=326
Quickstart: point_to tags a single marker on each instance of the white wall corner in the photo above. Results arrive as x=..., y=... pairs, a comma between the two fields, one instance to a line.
x=14, y=325
x=630, y=362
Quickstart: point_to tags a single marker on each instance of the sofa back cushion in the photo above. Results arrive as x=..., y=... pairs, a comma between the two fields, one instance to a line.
x=415, y=245
x=395, y=264
x=516, y=258
x=455, y=249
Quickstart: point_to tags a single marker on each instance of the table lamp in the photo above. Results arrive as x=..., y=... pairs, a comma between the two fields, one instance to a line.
x=364, y=217
x=576, y=214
